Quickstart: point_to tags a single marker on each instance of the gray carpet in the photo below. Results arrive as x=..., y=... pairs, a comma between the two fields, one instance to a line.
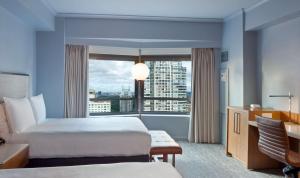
x=209, y=160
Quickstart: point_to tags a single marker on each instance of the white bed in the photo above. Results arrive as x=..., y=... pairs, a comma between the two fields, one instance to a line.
x=67, y=141
x=124, y=170
x=86, y=137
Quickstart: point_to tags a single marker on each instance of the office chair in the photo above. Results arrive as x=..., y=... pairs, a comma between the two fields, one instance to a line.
x=274, y=142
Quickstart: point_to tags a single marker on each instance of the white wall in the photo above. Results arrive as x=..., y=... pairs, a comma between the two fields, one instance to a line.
x=176, y=125
x=241, y=46
x=114, y=32
x=250, y=68
x=32, y=12
x=233, y=43
x=17, y=46
x=279, y=61
x=271, y=12
x=51, y=68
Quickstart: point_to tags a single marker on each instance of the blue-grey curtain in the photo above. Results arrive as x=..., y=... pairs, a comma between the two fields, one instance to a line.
x=76, y=81
x=204, y=123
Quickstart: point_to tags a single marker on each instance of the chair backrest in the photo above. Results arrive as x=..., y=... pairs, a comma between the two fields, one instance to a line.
x=273, y=139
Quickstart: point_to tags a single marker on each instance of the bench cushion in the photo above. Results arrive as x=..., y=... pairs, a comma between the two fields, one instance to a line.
x=163, y=143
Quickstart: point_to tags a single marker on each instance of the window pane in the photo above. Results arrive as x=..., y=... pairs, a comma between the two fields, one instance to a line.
x=167, y=105
x=111, y=86
x=168, y=79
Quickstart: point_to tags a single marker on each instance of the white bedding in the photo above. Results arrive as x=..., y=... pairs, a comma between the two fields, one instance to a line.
x=119, y=170
x=86, y=137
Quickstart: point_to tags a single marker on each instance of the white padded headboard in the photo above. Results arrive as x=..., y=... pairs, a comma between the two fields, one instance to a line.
x=14, y=85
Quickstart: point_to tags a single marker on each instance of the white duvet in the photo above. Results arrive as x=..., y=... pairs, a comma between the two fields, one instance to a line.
x=86, y=137
x=119, y=170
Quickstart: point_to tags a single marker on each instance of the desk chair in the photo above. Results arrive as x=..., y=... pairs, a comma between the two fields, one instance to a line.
x=274, y=142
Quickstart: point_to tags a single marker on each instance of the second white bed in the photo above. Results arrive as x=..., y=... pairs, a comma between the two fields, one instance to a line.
x=120, y=170
x=86, y=137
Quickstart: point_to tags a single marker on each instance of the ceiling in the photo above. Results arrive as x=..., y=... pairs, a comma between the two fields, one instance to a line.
x=202, y=9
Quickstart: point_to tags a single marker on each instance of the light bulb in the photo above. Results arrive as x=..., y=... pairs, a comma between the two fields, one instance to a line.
x=140, y=71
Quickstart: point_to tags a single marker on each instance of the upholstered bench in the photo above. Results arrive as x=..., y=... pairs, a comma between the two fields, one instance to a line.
x=164, y=144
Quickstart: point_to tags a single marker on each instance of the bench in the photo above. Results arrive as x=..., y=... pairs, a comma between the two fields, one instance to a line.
x=163, y=144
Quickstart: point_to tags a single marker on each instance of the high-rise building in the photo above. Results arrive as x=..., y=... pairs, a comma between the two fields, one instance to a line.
x=100, y=106
x=126, y=100
x=166, y=79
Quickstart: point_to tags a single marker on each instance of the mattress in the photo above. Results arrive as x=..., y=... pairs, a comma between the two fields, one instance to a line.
x=86, y=137
x=124, y=170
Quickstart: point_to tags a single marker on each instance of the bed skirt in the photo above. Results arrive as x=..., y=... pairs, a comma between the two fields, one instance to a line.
x=53, y=162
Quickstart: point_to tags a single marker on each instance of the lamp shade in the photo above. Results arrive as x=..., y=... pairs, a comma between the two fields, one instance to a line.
x=140, y=71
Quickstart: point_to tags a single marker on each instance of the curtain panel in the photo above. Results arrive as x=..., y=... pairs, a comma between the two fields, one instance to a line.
x=204, y=123
x=76, y=81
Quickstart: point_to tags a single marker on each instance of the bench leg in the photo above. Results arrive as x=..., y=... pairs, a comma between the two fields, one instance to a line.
x=165, y=157
x=173, y=160
x=155, y=159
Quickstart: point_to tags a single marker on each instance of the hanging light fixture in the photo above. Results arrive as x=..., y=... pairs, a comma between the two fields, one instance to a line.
x=140, y=72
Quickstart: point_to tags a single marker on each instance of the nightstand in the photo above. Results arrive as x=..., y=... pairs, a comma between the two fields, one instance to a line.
x=13, y=155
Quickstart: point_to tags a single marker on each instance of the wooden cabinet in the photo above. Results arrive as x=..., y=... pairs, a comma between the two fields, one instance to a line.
x=242, y=132
x=237, y=134
x=231, y=135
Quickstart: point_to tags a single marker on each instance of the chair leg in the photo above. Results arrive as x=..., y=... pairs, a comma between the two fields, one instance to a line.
x=290, y=171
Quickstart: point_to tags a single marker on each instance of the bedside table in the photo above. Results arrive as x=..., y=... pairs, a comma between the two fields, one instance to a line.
x=13, y=155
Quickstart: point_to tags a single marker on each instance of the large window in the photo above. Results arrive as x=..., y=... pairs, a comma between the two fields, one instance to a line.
x=111, y=87
x=112, y=90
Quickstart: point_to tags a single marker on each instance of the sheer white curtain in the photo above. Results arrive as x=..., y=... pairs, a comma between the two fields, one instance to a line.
x=204, y=123
x=76, y=81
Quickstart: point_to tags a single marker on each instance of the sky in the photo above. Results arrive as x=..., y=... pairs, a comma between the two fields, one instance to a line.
x=111, y=76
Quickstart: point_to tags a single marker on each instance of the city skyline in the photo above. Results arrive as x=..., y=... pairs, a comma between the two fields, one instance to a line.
x=110, y=87
x=106, y=76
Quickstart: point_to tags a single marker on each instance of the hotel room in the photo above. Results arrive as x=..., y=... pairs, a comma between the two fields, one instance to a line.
x=149, y=89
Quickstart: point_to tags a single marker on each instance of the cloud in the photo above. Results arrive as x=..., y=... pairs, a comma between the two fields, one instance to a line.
x=112, y=76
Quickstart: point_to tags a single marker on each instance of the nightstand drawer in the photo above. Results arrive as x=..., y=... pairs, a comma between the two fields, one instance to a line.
x=13, y=156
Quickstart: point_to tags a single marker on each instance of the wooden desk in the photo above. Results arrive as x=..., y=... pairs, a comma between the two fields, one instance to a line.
x=292, y=129
x=243, y=136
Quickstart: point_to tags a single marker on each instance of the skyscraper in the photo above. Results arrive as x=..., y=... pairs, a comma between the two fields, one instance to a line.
x=99, y=106
x=126, y=101
x=166, y=79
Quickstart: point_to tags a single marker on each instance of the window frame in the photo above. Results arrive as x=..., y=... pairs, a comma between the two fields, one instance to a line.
x=135, y=59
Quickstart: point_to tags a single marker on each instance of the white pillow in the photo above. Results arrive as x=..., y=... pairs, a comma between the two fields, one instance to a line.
x=19, y=114
x=38, y=108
